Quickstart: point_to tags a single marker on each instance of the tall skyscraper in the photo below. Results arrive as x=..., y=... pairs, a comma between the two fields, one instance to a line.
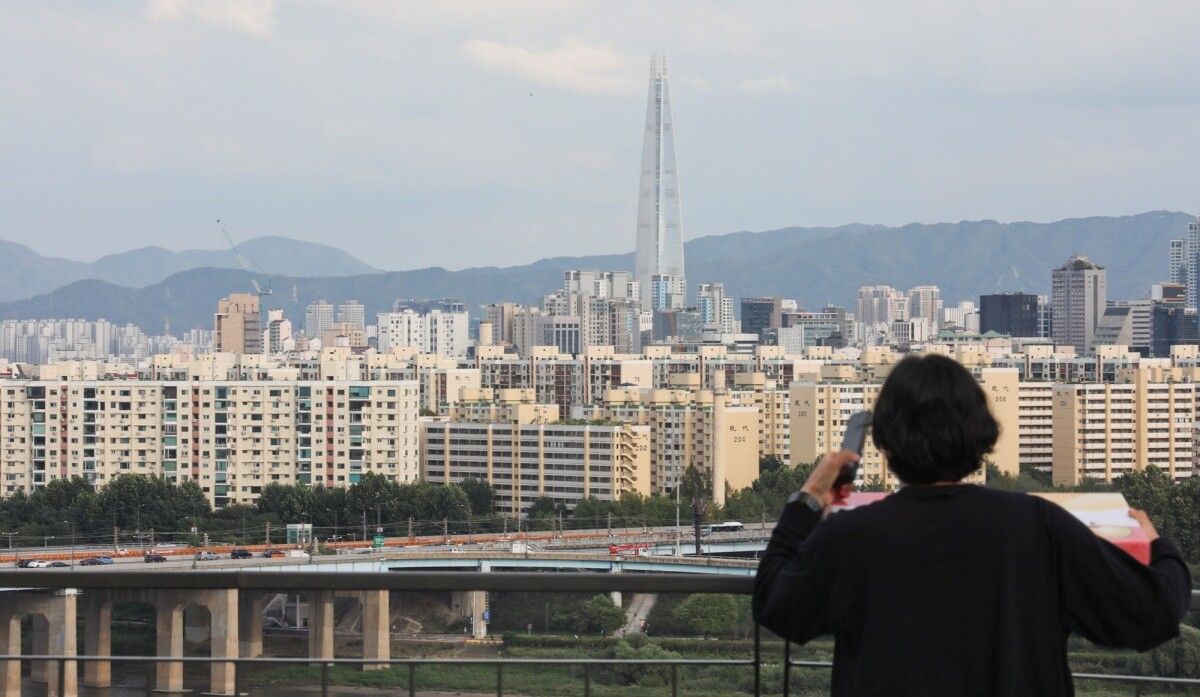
x=1079, y=297
x=660, y=222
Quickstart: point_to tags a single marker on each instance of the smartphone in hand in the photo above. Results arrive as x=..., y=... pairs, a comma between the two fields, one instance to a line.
x=854, y=439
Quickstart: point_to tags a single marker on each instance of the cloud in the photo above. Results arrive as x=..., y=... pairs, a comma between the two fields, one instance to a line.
x=578, y=66
x=778, y=82
x=250, y=16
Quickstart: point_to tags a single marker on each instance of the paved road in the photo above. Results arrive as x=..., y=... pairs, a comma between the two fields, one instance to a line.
x=638, y=610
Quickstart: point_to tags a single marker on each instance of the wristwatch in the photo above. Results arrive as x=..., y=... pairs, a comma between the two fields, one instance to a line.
x=808, y=500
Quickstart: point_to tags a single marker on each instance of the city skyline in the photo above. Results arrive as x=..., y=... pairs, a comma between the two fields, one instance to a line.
x=374, y=123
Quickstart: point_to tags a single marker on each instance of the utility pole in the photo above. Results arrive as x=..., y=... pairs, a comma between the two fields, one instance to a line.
x=410, y=522
x=378, y=525
x=364, y=522
x=446, y=529
x=268, y=540
x=610, y=524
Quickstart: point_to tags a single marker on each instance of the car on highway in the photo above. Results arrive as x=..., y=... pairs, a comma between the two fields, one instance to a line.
x=37, y=564
x=273, y=553
x=207, y=555
x=90, y=561
x=22, y=563
x=98, y=561
x=154, y=558
x=240, y=554
x=58, y=565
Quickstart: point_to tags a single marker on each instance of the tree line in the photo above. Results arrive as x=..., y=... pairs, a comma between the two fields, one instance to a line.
x=126, y=509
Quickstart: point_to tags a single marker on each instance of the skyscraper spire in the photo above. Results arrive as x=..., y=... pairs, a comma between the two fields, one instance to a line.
x=658, y=264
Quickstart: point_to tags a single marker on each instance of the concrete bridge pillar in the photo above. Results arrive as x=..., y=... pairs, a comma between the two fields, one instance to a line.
x=168, y=677
x=97, y=637
x=223, y=638
x=53, y=633
x=250, y=627
x=376, y=626
x=320, y=624
x=222, y=606
x=10, y=644
x=615, y=595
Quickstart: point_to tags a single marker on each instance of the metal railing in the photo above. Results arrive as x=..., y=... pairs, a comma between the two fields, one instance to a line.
x=283, y=581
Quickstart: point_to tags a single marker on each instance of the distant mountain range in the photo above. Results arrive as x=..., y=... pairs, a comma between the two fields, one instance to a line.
x=24, y=273
x=813, y=265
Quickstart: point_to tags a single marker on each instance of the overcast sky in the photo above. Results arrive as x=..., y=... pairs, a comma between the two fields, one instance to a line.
x=460, y=134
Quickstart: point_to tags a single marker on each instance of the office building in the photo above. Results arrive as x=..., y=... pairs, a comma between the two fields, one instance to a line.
x=1079, y=297
x=660, y=220
x=761, y=313
x=1014, y=314
x=1172, y=325
x=237, y=324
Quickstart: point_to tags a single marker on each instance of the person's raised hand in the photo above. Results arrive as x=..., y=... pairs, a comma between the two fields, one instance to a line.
x=1144, y=521
x=820, y=482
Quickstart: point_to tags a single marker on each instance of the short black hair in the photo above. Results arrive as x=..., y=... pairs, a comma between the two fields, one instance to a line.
x=932, y=421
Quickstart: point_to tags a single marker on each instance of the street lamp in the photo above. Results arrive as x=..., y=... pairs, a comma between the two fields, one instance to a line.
x=46, y=540
x=335, y=522
x=138, y=530
x=10, y=536
x=72, y=542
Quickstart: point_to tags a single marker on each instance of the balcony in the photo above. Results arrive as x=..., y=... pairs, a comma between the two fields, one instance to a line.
x=757, y=664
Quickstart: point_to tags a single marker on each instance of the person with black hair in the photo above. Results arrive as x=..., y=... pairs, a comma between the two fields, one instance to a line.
x=947, y=588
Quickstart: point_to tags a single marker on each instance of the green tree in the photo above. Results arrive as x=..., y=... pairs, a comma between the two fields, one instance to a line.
x=480, y=496
x=599, y=614
x=770, y=463
x=590, y=513
x=744, y=505
x=708, y=613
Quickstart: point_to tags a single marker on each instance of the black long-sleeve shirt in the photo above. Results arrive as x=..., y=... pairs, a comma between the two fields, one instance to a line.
x=961, y=590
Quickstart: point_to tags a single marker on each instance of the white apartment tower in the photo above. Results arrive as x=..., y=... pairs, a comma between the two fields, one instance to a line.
x=318, y=319
x=660, y=221
x=716, y=308
x=353, y=313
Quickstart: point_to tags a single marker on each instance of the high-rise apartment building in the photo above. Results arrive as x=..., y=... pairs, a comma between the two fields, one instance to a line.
x=926, y=302
x=1178, y=270
x=237, y=325
x=660, y=220
x=352, y=313
x=318, y=320
x=1079, y=297
x=230, y=437
x=716, y=308
x=436, y=332
x=1014, y=314
x=1184, y=265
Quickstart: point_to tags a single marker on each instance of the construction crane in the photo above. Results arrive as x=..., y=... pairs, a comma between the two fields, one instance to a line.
x=258, y=289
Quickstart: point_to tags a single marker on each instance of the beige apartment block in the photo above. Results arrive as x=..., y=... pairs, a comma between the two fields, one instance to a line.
x=684, y=432
x=522, y=462
x=820, y=411
x=230, y=437
x=1035, y=425
x=1102, y=431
